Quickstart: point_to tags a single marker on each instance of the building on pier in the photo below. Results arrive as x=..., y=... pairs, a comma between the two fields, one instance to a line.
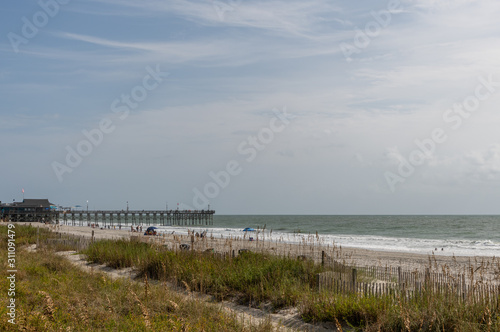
x=29, y=210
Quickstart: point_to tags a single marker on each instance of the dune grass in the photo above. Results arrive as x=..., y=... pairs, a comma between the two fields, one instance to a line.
x=250, y=277
x=280, y=281
x=256, y=279
x=431, y=312
x=53, y=295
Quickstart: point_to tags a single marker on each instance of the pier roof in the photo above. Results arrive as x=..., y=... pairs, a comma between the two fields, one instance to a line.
x=34, y=203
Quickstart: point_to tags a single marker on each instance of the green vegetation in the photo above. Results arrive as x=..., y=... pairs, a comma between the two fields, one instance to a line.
x=26, y=235
x=430, y=312
x=53, y=295
x=252, y=277
x=261, y=279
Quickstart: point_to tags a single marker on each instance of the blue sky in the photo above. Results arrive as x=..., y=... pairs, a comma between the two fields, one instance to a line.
x=258, y=107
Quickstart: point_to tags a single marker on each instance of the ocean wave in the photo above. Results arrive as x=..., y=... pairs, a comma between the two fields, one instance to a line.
x=459, y=247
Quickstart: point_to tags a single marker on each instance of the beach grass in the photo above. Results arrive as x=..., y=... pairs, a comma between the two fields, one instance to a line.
x=430, y=313
x=256, y=279
x=249, y=277
x=261, y=279
x=54, y=295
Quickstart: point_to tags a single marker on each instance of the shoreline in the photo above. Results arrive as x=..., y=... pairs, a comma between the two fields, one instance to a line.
x=379, y=243
x=313, y=250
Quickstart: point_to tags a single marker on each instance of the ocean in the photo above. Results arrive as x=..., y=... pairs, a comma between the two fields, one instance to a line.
x=451, y=235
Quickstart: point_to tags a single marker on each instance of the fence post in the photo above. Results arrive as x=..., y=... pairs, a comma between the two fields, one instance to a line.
x=318, y=282
x=92, y=236
x=464, y=287
x=322, y=258
x=37, y=237
x=354, y=277
x=399, y=276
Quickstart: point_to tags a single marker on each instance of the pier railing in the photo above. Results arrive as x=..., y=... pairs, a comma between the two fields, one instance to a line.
x=139, y=217
x=105, y=218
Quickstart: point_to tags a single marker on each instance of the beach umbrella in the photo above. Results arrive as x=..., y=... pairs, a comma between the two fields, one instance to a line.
x=151, y=230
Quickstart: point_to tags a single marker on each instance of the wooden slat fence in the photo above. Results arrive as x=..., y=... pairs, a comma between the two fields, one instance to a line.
x=66, y=242
x=395, y=282
x=398, y=283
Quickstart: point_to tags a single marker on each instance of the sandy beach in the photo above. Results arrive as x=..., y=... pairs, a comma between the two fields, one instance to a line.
x=309, y=249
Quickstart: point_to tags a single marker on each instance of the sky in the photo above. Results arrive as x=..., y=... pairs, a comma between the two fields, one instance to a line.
x=253, y=107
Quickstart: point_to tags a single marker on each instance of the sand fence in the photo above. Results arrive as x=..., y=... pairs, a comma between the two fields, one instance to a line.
x=473, y=281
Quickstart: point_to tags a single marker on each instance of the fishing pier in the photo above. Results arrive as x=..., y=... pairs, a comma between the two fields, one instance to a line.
x=41, y=210
x=133, y=217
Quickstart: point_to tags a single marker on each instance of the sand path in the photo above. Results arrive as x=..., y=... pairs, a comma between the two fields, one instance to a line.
x=285, y=320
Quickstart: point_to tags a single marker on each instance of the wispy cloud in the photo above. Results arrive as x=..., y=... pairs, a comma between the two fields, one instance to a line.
x=311, y=20
x=230, y=69
x=205, y=51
